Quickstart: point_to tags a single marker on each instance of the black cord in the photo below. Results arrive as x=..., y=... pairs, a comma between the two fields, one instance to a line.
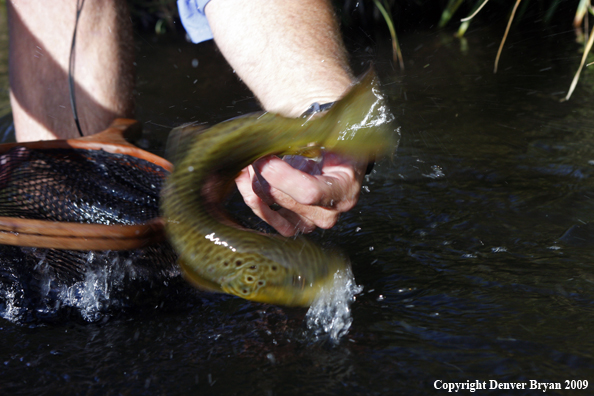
x=79, y=6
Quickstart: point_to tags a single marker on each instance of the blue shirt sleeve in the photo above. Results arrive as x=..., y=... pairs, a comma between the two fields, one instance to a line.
x=191, y=13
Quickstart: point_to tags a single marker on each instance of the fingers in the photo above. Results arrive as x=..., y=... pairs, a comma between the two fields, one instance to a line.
x=285, y=222
x=313, y=195
x=334, y=184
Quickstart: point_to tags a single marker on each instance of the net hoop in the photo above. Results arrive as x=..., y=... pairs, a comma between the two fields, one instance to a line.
x=78, y=236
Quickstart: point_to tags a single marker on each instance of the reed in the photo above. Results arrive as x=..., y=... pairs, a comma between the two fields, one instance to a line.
x=580, y=20
x=549, y=9
x=161, y=14
x=397, y=54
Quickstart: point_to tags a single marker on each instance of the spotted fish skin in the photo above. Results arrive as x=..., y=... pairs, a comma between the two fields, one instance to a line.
x=218, y=255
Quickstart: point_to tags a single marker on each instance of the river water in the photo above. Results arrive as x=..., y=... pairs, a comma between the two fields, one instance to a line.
x=473, y=245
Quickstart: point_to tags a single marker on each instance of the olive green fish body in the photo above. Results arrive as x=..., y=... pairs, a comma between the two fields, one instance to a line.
x=218, y=255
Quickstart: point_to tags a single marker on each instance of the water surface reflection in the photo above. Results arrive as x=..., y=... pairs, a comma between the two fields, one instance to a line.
x=472, y=244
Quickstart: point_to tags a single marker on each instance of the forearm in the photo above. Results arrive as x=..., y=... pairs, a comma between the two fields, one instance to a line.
x=288, y=52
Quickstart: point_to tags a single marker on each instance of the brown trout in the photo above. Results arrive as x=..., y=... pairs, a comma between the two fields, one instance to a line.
x=218, y=255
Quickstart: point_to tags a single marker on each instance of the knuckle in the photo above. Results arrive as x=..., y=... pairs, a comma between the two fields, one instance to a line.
x=311, y=197
x=348, y=205
x=328, y=222
x=253, y=201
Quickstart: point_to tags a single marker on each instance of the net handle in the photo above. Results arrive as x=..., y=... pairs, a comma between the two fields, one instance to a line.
x=77, y=236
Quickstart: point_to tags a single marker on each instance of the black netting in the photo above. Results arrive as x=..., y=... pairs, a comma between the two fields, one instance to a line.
x=75, y=185
x=83, y=186
x=49, y=285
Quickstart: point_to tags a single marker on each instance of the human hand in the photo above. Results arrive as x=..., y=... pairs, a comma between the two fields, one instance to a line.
x=311, y=194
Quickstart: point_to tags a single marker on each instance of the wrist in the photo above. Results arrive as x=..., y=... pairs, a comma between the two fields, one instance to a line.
x=316, y=108
x=296, y=102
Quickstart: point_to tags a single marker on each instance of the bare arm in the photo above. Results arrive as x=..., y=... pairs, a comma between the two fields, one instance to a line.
x=290, y=54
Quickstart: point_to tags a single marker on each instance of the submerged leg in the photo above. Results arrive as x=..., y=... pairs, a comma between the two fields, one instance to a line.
x=40, y=41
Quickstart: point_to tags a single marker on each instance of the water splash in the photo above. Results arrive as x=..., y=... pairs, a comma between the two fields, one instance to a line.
x=44, y=285
x=91, y=296
x=329, y=317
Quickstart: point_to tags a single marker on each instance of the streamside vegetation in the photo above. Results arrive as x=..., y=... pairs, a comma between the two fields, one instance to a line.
x=580, y=23
x=464, y=12
x=161, y=15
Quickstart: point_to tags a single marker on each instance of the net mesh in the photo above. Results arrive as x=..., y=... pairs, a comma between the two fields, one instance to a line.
x=76, y=185
x=82, y=186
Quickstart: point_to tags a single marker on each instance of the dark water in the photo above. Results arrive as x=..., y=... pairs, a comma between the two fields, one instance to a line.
x=473, y=245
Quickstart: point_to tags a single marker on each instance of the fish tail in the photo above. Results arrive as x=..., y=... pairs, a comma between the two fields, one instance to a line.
x=360, y=124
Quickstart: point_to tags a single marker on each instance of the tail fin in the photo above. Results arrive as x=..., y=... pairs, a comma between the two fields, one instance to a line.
x=361, y=123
